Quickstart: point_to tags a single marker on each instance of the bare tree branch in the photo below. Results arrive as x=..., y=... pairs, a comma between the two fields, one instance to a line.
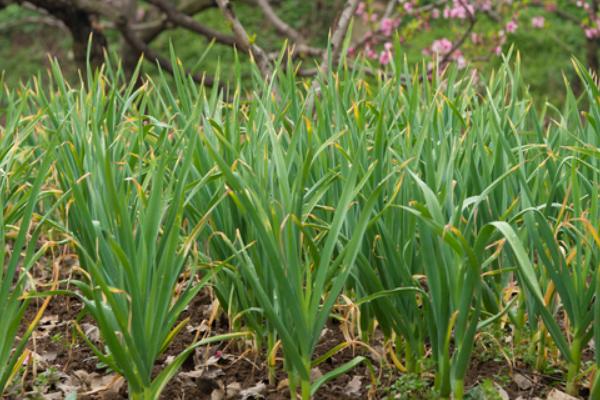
x=281, y=26
x=430, y=6
x=558, y=12
x=33, y=20
x=242, y=39
x=185, y=21
x=286, y=30
x=390, y=8
x=143, y=49
x=154, y=25
x=192, y=7
x=337, y=37
x=457, y=45
x=81, y=23
x=100, y=7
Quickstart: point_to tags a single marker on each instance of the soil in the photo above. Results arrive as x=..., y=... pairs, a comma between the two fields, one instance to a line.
x=60, y=348
x=63, y=362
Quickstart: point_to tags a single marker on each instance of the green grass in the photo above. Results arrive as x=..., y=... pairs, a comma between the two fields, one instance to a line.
x=19, y=196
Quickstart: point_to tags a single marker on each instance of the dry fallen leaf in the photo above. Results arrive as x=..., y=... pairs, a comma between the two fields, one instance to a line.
x=283, y=384
x=91, y=383
x=217, y=394
x=43, y=359
x=191, y=375
x=501, y=392
x=203, y=327
x=54, y=396
x=255, y=392
x=353, y=387
x=46, y=325
x=233, y=390
x=556, y=394
x=523, y=382
x=315, y=374
x=91, y=332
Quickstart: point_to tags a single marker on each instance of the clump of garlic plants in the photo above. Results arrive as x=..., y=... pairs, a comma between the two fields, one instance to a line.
x=434, y=205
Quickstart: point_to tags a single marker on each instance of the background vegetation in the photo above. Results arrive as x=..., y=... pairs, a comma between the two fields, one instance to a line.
x=28, y=40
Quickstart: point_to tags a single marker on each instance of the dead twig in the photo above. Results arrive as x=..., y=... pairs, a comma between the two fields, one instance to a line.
x=338, y=35
x=33, y=20
x=143, y=49
x=286, y=30
x=185, y=21
x=242, y=39
x=458, y=44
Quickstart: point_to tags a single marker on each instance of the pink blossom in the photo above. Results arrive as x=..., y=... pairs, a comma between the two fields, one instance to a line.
x=459, y=10
x=474, y=75
x=435, y=13
x=370, y=52
x=485, y=5
x=361, y=8
x=591, y=33
x=441, y=46
x=476, y=38
x=461, y=62
x=408, y=7
x=538, y=22
x=498, y=50
x=385, y=57
x=511, y=26
x=387, y=26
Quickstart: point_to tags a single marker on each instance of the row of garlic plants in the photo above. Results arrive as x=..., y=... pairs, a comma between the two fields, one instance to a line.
x=434, y=205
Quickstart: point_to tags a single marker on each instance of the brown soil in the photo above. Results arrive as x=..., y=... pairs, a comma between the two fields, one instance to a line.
x=224, y=368
x=59, y=348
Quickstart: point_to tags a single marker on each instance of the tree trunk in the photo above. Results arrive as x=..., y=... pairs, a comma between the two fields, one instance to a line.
x=82, y=26
x=129, y=55
x=85, y=33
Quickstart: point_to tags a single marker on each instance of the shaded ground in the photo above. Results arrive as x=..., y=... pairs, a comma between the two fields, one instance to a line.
x=63, y=364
